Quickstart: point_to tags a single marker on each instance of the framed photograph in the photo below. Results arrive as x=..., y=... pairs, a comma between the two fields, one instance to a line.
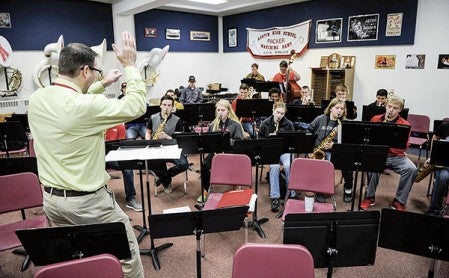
x=199, y=36
x=150, y=32
x=334, y=61
x=324, y=61
x=385, y=61
x=394, y=25
x=328, y=30
x=363, y=27
x=347, y=61
x=415, y=61
x=5, y=20
x=172, y=34
x=232, y=37
x=443, y=61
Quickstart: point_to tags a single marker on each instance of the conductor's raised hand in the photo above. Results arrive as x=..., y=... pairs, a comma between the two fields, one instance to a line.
x=126, y=53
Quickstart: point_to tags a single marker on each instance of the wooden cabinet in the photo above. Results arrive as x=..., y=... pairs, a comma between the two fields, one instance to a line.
x=324, y=80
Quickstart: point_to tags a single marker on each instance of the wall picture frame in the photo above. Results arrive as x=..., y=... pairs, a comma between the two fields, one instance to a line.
x=172, y=34
x=199, y=36
x=5, y=20
x=328, y=30
x=232, y=37
x=150, y=32
x=385, y=62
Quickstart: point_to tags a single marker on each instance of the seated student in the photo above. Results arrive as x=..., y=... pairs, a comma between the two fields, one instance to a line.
x=441, y=181
x=247, y=122
x=270, y=126
x=161, y=126
x=117, y=133
x=178, y=105
x=396, y=161
x=275, y=94
x=255, y=73
x=381, y=98
x=341, y=92
x=225, y=121
x=326, y=128
x=191, y=94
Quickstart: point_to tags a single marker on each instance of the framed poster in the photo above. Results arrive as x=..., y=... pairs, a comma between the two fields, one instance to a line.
x=232, y=37
x=443, y=61
x=363, y=27
x=394, y=25
x=199, y=36
x=328, y=30
x=415, y=61
x=150, y=32
x=172, y=34
x=5, y=20
x=385, y=61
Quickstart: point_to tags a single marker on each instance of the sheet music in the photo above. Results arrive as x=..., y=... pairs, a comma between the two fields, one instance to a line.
x=162, y=152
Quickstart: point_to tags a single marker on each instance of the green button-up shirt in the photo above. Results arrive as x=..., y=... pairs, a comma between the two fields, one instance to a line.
x=68, y=130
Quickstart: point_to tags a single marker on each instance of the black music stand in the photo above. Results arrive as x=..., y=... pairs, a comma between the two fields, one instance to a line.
x=359, y=158
x=415, y=233
x=147, y=165
x=14, y=165
x=336, y=239
x=58, y=244
x=369, y=111
x=197, y=223
x=22, y=118
x=266, y=86
x=440, y=149
x=197, y=113
x=297, y=141
x=303, y=113
x=201, y=143
x=261, y=151
x=144, y=118
x=12, y=136
x=254, y=108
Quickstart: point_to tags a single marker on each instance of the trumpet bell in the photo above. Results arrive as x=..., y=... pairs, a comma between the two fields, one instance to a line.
x=100, y=49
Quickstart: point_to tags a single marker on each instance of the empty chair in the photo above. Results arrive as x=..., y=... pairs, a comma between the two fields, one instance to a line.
x=311, y=175
x=99, y=266
x=17, y=193
x=272, y=260
x=420, y=125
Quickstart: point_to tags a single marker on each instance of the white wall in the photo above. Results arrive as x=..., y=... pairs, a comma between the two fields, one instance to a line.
x=426, y=90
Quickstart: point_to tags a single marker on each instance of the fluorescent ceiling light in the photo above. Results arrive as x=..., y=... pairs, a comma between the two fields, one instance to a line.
x=210, y=2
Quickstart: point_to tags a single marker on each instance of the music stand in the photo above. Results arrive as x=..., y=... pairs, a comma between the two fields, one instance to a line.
x=265, y=86
x=147, y=165
x=58, y=244
x=197, y=113
x=14, y=165
x=254, y=108
x=336, y=239
x=438, y=156
x=12, y=136
x=415, y=233
x=197, y=223
x=369, y=111
x=144, y=118
x=359, y=158
x=22, y=118
x=303, y=113
x=201, y=143
x=261, y=151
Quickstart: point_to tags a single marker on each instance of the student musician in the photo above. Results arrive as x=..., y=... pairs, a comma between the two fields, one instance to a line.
x=326, y=128
x=269, y=127
x=275, y=94
x=396, y=161
x=225, y=121
x=281, y=76
x=247, y=122
x=341, y=93
x=178, y=105
x=381, y=98
x=161, y=126
x=255, y=74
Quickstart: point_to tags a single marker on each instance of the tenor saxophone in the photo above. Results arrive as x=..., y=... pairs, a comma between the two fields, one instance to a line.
x=160, y=128
x=318, y=152
x=425, y=170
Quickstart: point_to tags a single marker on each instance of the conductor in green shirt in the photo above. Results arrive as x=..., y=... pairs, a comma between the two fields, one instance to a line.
x=68, y=120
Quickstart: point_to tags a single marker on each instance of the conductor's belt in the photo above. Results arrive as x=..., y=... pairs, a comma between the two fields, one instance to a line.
x=67, y=193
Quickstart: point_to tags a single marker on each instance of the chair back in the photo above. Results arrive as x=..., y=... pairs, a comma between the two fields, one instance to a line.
x=419, y=123
x=99, y=266
x=19, y=191
x=272, y=260
x=231, y=169
x=313, y=175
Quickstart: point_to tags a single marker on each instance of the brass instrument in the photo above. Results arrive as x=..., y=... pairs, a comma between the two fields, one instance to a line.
x=14, y=82
x=425, y=170
x=318, y=152
x=147, y=66
x=160, y=128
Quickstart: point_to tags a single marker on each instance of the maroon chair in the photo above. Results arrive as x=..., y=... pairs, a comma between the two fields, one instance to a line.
x=99, y=266
x=19, y=192
x=272, y=260
x=310, y=175
x=420, y=124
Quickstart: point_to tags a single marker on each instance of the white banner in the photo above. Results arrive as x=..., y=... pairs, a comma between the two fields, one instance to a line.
x=278, y=41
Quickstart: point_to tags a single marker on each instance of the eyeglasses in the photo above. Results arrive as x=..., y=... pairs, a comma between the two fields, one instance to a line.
x=99, y=72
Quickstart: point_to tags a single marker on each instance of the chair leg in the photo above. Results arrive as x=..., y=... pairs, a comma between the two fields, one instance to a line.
x=428, y=194
x=26, y=262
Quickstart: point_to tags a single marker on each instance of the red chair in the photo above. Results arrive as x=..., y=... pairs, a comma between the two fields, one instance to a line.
x=99, y=266
x=272, y=260
x=310, y=175
x=420, y=124
x=17, y=193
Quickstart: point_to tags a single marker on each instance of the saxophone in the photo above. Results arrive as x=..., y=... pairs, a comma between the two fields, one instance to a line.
x=425, y=170
x=318, y=152
x=160, y=128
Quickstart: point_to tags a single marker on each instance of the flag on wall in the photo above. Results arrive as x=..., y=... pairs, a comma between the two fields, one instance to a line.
x=278, y=41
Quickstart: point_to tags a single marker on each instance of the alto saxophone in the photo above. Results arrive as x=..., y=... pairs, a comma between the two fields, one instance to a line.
x=318, y=152
x=160, y=128
x=425, y=170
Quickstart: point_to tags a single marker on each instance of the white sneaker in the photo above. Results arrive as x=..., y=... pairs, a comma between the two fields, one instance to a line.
x=168, y=189
x=133, y=204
